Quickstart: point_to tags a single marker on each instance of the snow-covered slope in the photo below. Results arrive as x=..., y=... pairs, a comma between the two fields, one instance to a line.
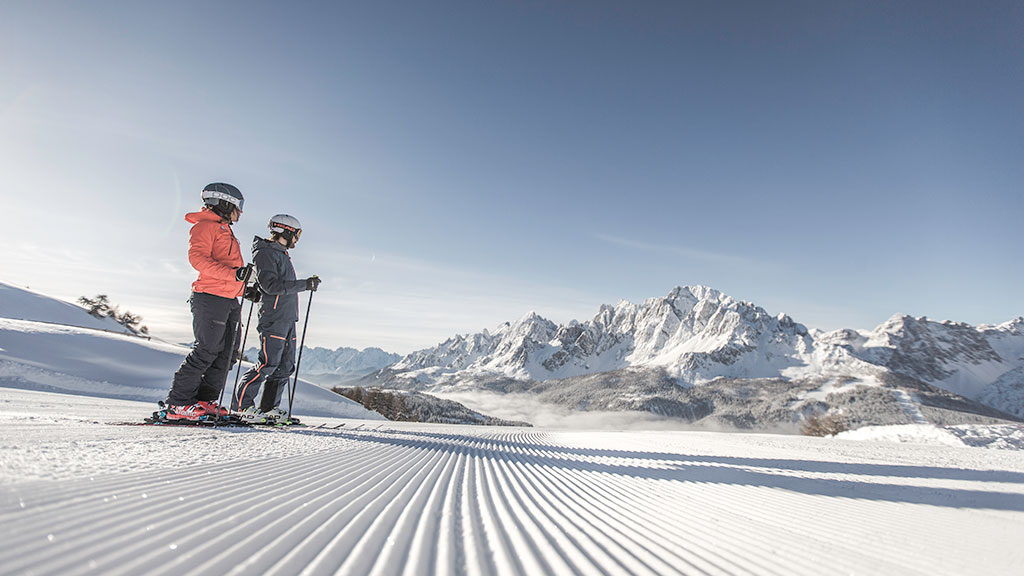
x=79, y=495
x=57, y=354
x=697, y=335
x=24, y=304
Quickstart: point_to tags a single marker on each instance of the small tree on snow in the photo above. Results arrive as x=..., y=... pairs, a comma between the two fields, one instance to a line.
x=127, y=319
x=98, y=306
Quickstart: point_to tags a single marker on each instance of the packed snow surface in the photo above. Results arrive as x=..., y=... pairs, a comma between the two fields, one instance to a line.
x=82, y=493
x=86, y=489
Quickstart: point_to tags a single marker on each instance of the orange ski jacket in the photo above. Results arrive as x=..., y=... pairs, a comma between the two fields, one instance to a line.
x=214, y=252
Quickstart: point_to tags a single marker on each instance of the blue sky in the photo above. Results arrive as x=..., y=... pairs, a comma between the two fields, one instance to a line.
x=458, y=164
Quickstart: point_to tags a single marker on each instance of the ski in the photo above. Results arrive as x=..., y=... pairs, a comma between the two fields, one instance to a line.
x=291, y=423
x=159, y=418
x=193, y=423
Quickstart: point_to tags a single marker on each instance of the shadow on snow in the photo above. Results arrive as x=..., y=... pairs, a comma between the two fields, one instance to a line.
x=761, y=472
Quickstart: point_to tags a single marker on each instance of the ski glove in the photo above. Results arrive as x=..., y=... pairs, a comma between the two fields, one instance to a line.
x=252, y=293
x=312, y=283
x=242, y=274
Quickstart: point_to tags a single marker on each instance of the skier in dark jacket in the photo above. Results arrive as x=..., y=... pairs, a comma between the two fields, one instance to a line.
x=214, y=252
x=279, y=312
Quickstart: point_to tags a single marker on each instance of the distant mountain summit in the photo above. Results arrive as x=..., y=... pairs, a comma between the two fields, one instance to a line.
x=332, y=367
x=697, y=336
x=983, y=363
x=695, y=332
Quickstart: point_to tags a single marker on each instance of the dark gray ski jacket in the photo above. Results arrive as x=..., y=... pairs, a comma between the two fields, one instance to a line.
x=279, y=303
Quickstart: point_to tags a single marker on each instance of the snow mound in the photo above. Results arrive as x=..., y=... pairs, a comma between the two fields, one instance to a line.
x=908, y=433
x=23, y=304
x=999, y=436
x=51, y=353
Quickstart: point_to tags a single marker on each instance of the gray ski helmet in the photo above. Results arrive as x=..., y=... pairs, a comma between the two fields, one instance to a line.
x=222, y=198
x=285, y=225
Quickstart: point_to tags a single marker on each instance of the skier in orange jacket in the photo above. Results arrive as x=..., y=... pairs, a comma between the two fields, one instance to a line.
x=214, y=252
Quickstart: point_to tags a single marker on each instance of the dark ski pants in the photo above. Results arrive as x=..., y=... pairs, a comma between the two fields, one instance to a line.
x=275, y=364
x=201, y=377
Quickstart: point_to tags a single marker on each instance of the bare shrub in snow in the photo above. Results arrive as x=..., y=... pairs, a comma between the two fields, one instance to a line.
x=824, y=425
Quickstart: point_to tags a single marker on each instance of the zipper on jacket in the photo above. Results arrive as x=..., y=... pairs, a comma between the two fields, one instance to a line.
x=231, y=245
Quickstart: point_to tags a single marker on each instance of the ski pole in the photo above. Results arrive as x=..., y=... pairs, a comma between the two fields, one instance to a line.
x=291, y=394
x=241, y=351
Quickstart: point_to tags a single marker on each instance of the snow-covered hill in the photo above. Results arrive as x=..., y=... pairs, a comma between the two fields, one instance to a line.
x=696, y=335
x=24, y=304
x=55, y=346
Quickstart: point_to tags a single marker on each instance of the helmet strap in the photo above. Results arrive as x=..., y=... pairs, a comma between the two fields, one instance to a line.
x=277, y=237
x=222, y=209
x=287, y=235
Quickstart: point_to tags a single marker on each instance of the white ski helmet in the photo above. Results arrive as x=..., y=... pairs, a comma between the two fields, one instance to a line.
x=222, y=198
x=285, y=225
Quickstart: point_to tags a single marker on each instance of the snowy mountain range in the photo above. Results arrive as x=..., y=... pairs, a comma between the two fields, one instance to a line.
x=697, y=344
x=331, y=367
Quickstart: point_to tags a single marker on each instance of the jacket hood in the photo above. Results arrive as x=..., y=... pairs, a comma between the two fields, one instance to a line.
x=264, y=244
x=196, y=217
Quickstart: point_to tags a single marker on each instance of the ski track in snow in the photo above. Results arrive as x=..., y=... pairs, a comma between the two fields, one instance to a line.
x=409, y=499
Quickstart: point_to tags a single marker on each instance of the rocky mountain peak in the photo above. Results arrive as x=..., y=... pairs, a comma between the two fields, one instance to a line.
x=531, y=326
x=1013, y=327
x=927, y=349
x=695, y=293
x=697, y=334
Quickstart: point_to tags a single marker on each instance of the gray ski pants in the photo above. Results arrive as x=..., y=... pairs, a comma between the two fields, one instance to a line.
x=275, y=364
x=201, y=376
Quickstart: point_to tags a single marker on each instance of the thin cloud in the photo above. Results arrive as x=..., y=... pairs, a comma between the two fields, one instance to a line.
x=683, y=251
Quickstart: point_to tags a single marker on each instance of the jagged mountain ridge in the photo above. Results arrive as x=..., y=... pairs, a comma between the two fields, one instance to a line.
x=696, y=335
x=327, y=367
x=954, y=356
x=694, y=330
